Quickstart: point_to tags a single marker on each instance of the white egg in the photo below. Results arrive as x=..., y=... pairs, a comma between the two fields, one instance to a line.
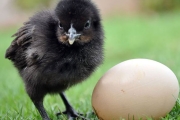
x=137, y=88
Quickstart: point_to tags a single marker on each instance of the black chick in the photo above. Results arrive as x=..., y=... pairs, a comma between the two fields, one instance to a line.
x=57, y=49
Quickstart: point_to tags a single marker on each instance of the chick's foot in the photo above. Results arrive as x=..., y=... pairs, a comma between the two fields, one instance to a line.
x=72, y=115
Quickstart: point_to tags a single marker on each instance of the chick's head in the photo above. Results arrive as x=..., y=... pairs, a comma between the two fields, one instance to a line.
x=78, y=22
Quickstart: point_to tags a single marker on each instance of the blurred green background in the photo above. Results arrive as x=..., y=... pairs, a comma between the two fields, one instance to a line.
x=145, y=5
x=140, y=29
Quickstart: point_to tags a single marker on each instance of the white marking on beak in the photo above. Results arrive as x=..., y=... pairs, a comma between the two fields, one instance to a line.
x=72, y=35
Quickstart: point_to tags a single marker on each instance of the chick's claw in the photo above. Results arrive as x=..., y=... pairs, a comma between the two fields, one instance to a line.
x=72, y=115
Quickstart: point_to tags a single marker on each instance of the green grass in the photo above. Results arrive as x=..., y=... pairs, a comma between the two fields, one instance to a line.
x=156, y=38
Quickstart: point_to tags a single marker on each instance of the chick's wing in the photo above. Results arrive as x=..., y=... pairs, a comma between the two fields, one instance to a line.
x=23, y=37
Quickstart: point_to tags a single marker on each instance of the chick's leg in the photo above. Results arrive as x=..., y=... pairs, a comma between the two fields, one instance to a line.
x=36, y=94
x=70, y=112
x=41, y=109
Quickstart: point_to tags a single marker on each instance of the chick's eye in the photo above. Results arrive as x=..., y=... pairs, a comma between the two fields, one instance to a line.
x=87, y=24
x=60, y=26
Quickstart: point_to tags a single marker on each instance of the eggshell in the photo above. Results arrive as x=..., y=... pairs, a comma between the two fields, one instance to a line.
x=137, y=88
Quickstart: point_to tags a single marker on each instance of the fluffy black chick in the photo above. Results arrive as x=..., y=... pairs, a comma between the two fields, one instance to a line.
x=57, y=49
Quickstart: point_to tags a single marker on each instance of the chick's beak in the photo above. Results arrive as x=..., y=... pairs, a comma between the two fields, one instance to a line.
x=72, y=34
